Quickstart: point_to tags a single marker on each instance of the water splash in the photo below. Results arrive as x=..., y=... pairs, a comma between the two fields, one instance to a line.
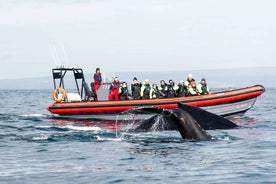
x=81, y=128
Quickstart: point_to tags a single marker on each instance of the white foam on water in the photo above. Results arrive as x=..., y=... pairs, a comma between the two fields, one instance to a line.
x=43, y=126
x=83, y=128
x=117, y=139
x=32, y=115
x=40, y=138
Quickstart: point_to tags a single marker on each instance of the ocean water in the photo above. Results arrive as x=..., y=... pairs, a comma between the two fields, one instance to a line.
x=37, y=148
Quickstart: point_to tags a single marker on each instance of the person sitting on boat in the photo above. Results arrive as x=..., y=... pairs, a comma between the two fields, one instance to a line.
x=97, y=82
x=202, y=87
x=181, y=91
x=114, y=90
x=163, y=89
x=171, y=89
x=136, y=88
x=146, y=90
x=123, y=91
x=192, y=90
x=154, y=91
x=188, y=81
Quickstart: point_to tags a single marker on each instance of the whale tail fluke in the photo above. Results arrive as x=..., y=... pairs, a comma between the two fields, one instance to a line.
x=157, y=123
x=188, y=127
x=191, y=122
x=207, y=120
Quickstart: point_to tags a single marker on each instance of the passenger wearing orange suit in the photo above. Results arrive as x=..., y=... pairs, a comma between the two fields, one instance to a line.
x=114, y=90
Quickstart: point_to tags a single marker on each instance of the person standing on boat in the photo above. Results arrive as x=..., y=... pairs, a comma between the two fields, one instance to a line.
x=146, y=90
x=97, y=82
x=202, y=87
x=114, y=90
x=136, y=89
x=123, y=91
x=163, y=89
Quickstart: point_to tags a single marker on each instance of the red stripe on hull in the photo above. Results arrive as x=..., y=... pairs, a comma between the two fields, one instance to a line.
x=168, y=103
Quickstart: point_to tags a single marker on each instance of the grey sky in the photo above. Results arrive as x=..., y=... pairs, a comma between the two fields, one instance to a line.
x=128, y=35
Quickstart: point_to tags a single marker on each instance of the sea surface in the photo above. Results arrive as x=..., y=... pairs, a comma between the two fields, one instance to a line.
x=35, y=147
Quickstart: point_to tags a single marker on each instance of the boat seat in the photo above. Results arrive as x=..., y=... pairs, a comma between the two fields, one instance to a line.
x=103, y=92
x=89, y=94
x=73, y=97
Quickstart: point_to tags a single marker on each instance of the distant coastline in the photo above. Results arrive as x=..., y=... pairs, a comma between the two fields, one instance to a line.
x=223, y=78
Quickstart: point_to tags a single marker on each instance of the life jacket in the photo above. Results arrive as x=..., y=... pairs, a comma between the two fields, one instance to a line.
x=182, y=91
x=155, y=92
x=171, y=92
x=114, y=86
x=146, y=91
x=163, y=90
x=136, y=89
x=192, y=91
x=203, y=89
x=97, y=78
x=123, y=93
